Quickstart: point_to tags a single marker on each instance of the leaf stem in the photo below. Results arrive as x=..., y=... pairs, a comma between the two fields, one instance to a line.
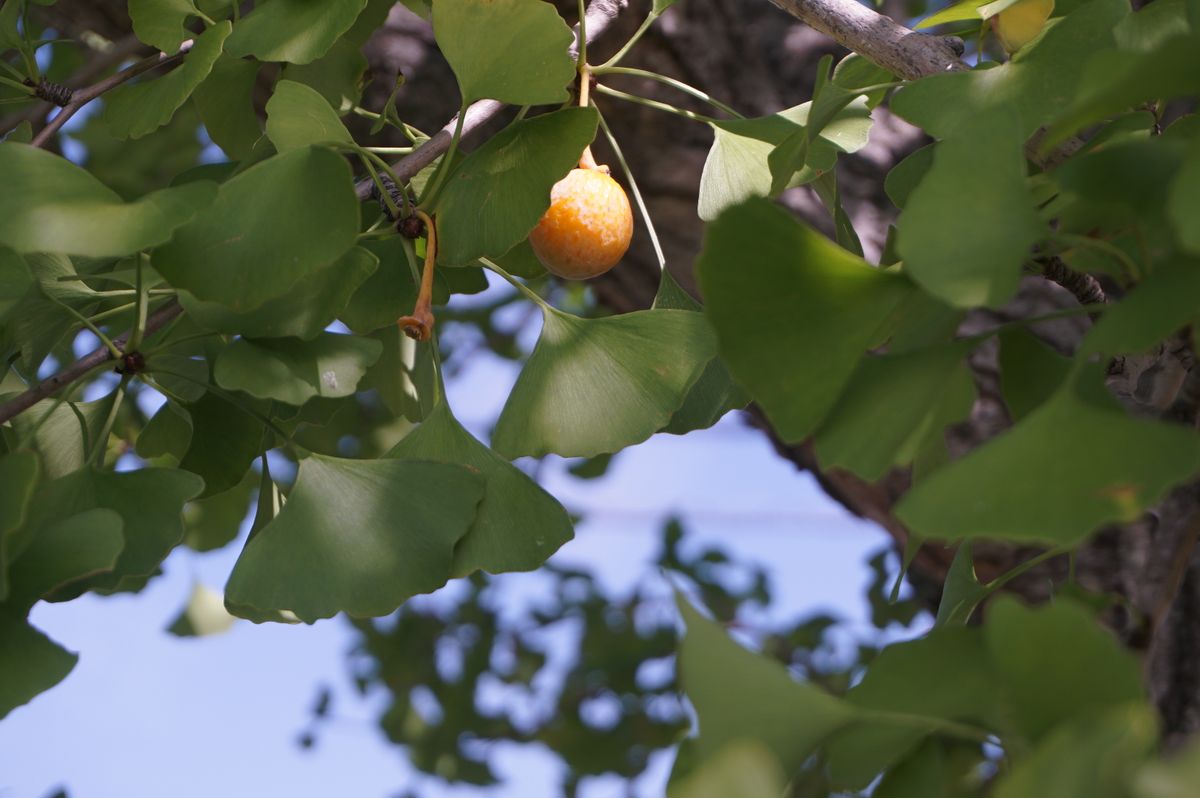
x=100, y=444
x=520, y=286
x=1011, y=574
x=430, y=195
x=661, y=106
x=143, y=306
x=637, y=34
x=86, y=322
x=691, y=91
x=419, y=325
x=637, y=194
x=581, y=62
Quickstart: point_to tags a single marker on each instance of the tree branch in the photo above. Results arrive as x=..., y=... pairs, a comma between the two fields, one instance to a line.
x=83, y=96
x=905, y=53
x=600, y=16
x=100, y=62
x=52, y=385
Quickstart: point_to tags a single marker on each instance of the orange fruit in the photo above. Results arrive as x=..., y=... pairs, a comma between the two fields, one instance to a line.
x=587, y=227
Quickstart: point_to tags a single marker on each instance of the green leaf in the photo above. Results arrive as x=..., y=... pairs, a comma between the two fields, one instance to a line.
x=180, y=376
x=59, y=554
x=30, y=662
x=212, y=522
x=204, y=614
x=356, y=536
x=51, y=205
x=1106, y=467
x=297, y=31
x=1030, y=372
x=790, y=718
x=18, y=475
x=970, y=254
x=500, y=191
x=15, y=280
x=890, y=406
x=225, y=441
x=962, y=592
x=957, y=12
x=298, y=116
x=1038, y=84
x=303, y=312
x=944, y=675
x=62, y=440
x=148, y=501
x=1093, y=756
x=745, y=768
x=1119, y=80
x=1183, y=202
x=160, y=23
x=1174, y=777
x=743, y=162
x=715, y=393
x=135, y=109
x=1158, y=306
x=760, y=272
x=593, y=386
x=518, y=525
x=168, y=432
x=225, y=102
x=514, y=51
x=931, y=771
x=908, y=174
x=265, y=232
x=404, y=375
x=293, y=371
x=1057, y=663
x=388, y=293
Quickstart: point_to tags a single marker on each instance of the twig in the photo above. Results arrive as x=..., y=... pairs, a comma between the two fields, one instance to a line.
x=52, y=385
x=902, y=51
x=599, y=18
x=85, y=95
x=1082, y=286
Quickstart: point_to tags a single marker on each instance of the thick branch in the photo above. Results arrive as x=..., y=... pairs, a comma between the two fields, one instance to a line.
x=77, y=370
x=600, y=16
x=901, y=51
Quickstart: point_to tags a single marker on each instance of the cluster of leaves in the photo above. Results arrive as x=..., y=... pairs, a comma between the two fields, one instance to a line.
x=264, y=253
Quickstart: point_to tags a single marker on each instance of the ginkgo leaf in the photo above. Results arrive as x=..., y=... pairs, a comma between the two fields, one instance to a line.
x=518, y=526
x=593, y=386
x=30, y=662
x=356, y=536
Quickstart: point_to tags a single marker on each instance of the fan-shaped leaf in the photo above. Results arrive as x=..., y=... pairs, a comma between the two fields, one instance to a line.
x=356, y=536
x=298, y=31
x=293, y=371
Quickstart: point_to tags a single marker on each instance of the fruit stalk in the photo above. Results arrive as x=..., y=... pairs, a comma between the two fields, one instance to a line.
x=419, y=325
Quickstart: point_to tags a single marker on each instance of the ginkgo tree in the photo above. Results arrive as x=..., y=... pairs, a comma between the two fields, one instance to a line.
x=270, y=295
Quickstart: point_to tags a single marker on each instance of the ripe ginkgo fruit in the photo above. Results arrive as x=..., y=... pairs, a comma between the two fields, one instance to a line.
x=1018, y=24
x=587, y=227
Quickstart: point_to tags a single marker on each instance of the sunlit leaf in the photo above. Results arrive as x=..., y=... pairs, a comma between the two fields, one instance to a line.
x=135, y=109
x=514, y=51
x=744, y=768
x=160, y=23
x=51, y=205
x=204, y=614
